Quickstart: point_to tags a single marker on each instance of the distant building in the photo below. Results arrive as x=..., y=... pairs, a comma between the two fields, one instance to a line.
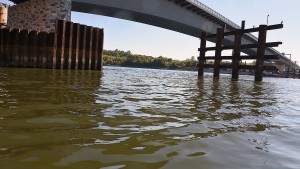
x=3, y=15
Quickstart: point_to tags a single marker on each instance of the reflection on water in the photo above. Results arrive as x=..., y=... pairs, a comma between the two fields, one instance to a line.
x=141, y=118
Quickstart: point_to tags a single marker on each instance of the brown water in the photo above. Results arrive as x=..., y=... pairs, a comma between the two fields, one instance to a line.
x=141, y=118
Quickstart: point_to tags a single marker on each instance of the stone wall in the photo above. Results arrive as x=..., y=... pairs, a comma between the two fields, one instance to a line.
x=40, y=15
x=3, y=15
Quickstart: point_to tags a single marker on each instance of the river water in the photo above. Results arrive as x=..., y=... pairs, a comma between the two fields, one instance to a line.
x=143, y=118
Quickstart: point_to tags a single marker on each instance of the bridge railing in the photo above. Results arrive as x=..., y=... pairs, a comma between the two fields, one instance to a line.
x=214, y=13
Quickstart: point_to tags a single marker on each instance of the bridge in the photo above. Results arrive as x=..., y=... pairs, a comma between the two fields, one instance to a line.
x=189, y=17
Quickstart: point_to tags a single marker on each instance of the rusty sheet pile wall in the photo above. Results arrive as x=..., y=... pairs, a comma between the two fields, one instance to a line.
x=72, y=46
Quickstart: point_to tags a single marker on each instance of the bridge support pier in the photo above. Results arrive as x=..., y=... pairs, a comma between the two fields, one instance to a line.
x=40, y=34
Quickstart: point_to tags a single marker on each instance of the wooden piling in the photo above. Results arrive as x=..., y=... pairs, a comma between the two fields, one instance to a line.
x=100, y=49
x=50, y=50
x=60, y=30
x=42, y=50
x=6, y=46
x=75, y=46
x=218, y=53
x=287, y=73
x=82, y=44
x=236, y=54
x=260, y=52
x=201, y=59
x=1, y=48
x=72, y=46
x=243, y=25
x=294, y=73
x=14, y=48
x=68, y=45
x=88, y=50
x=24, y=61
x=32, y=48
x=95, y=45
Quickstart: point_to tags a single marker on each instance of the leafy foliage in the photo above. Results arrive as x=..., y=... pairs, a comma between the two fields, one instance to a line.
x=126, y=58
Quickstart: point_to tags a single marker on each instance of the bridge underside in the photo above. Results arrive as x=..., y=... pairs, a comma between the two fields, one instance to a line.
x=140, y=17
x=18, y=1
x=160, y=13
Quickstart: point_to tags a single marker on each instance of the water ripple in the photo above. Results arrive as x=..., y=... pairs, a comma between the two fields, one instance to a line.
x=135, y=118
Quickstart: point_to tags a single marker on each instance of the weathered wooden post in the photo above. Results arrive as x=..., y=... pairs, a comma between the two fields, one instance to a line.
x=236, y=54
x=68, y=45
x=50, y=50
x=100, y=50
x=260, y=52
x=243, y=25
x=14, y=47
x=95, y=48
x=288, y=72
x=32, y=41
x=6, y=46
x=24, y=61
x=42, y=49
x=220, y=32
x=88, y=53
x=201, y=58
x=1, y=48
x=75, y=46
x=60, y=30
x=82, y=44
x=294, y=73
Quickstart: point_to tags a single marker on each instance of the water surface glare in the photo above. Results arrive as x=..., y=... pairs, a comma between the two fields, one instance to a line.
x=127, y=118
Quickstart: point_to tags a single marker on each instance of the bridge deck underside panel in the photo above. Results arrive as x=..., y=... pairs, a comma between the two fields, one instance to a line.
x=170, y=16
